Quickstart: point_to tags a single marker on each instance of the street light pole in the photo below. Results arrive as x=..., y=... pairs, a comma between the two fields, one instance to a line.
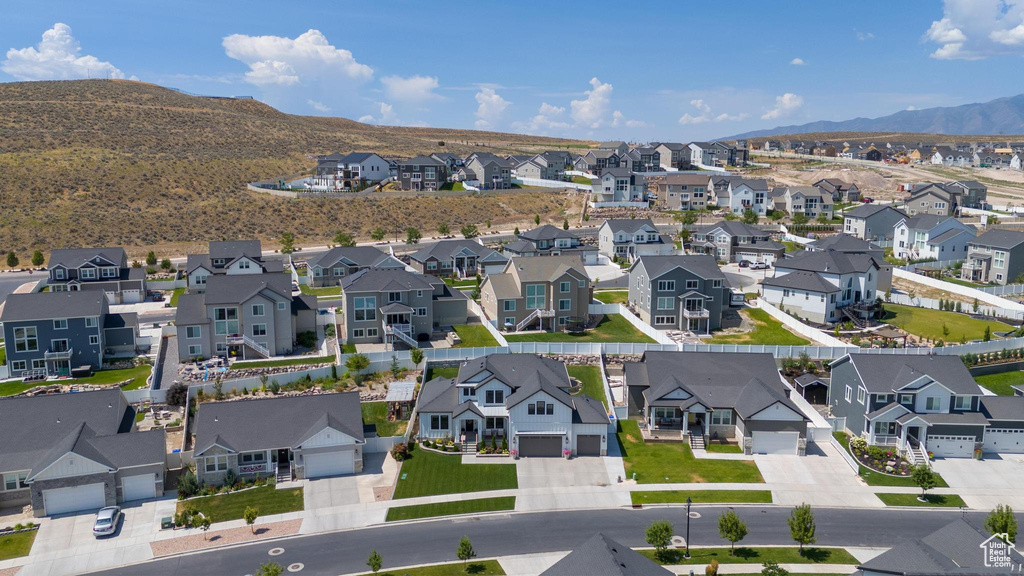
x=687, y=553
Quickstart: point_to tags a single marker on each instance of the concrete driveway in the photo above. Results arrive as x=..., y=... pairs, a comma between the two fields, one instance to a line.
x=745, y=279
x=562, y=473
x=816, y=478
x=984, y=483
x=379, y=470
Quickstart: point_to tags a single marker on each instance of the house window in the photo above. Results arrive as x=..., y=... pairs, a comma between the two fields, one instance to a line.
x=906, y=398
x=359, y=333
x=259, y=329
x=371, y=332
x=861, y=395
x=563, y=287
x=15, y=481
x=225, y=320
x=257, y=310
x=419, y=311
x=565, y=304
x=509, y=305
x=721, y=418
x=439, y=422
x=691, y=284
x=339, y=271
x=365, y=308
x=253, y=457
x=664, y=320
x=582, y=283
x=18, y=365
x=534, y=296
x=193, y=332
x=717, y=283
x=92, y=322
x=495, y=396
x=281, y=305
x=94, y=340
x=394, y=297
x=510, y=320
x=58, y=274
x=998, y=259
x=932, y=403
x=666, y=285
x=195, y=350
x=60, y=324
x=216, y=463
x=243, y=264
x=25, y=339
x=87, y=273
x=849, y=392
x=885, y=428
x=963, y=402
x=665, y=303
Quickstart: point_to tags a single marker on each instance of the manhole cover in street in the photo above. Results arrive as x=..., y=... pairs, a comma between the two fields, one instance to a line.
x=694, y=515
x=678, y=541
x=276, y=551
x=295, y=567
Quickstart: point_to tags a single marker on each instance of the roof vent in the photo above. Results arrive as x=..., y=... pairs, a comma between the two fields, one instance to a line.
x=110, y=405
x=58, y=419
x=216, y=419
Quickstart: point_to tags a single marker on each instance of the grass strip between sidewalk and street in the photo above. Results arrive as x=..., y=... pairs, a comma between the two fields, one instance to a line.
x=474, y=568
x=934, y=500
x=474, y=506
x=756, y=555
x=702, y=497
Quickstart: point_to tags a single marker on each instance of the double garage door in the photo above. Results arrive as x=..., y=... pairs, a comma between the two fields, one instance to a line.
x=329, y=464
x=1008, y=440
x=950, y=446
x=775, y=442
x=540, y=446
x=74, y=499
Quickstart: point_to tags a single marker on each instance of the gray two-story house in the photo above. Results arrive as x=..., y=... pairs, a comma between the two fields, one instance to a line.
x=458, y=258
x=547, y=240
x=492, y=172
x=679, y=292
x=390, y=306
x=232, y=257
x=872, y=221
x=733, y=241
x=101, y=269
x=995, y=256
x=333, y=266
x=422, y=173
x=49, y=334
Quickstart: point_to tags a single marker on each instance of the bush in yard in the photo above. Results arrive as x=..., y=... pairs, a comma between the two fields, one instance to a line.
x=188, y=485
x=465, y=551
x=773, y=569
x=712, y=568
x=274, y=387
x=151, y=258
x=12, y=259
x=731, y=528
x=374, y=561
x=356, y=363
x=166, y=264
x=177, y=394
x=306, y=339
x=416, y=355
x=659, y=536
x=400, y=451
x=801, y=526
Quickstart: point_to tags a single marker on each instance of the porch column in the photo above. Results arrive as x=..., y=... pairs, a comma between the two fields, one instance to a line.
x=707, y=424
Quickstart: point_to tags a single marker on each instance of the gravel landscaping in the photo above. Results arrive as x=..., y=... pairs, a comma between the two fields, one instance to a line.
x=224, y=537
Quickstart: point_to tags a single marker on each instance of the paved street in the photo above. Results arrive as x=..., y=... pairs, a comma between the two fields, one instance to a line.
x=9, y=281
x=507, y=534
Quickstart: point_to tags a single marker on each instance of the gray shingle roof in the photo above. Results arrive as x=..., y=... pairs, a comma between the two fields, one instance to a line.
x=954, y=549
x=884, y=374
x=446, y=249
x=276, y=422
x=828, y=261
x=47, y=305
x=704, y=266
x=547, y=268
x=1003, y=407
x=602, y=556
x=234, y=248
x=802, y=280
x=948, y=235
x=736, y=228
x=379, y=280
x=630, y=225
x=421, y=161
x=844, y=243
x=868, y=210
x=925, y=221
x=352, y=256
x=999, y=238
x=546, y=232
x=237, y=288
x=75, y=257
x=191, y=310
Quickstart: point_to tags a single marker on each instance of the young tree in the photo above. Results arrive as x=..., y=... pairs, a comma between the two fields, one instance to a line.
x=988, y=334
x=1002, y=521
x=374, y=561
x=659, y=535
x=177, y=392
x=750, y=217
x=378, y=234
x=488, y=222
x=923, y=478
x=270, y=569
x=204, y=525
x=250, y=514
x=166, y=264
x=287, y=242
x=800, y=219
x=565, y=223
x=469, y=231
x=37, y=258
x=536, y=219
x=151, y=258
x=975, y=306
x=732, y=529
x=688, y=218
x=822, y=218
x=396, y=368
x=465, y=551
x=516, y=231
x=416, y=355
x=443, y=230
x=412, y=235
x=945, y=330
x=773, y=569
x=344, y=239
x=801, y=526
x=356, y=363
x=12, y=259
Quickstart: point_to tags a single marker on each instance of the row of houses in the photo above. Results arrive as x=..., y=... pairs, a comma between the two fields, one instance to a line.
x=737, y=194
x=982, y=154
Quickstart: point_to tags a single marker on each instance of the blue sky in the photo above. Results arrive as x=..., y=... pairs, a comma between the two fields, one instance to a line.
x=637, y=71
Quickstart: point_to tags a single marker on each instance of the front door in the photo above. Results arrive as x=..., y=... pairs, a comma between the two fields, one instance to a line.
x=469, y=425
x=282, y=458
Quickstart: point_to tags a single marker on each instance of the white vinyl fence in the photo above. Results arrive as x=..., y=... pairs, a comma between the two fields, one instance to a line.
x=967, y=291
x=620, y=309
x=540, y=183
x=798, y=326
x=933, y=304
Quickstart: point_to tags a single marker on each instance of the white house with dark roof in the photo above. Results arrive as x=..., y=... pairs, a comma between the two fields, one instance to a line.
x=825, y=286
x=522, y=398
x=548, y=240
x=734, y=396
x=352, y=171
x=995, y=256
x=104, y=269
x=617, y=186
x=742, y=194
x=848, y=244
x=235, y=257
x=458, y=258
x=931, y=236
x=810, y=201
x=629, y=239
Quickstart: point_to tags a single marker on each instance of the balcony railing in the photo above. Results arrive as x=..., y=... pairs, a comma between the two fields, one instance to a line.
x=261, y=468
x=696, y=313
x=58, y=354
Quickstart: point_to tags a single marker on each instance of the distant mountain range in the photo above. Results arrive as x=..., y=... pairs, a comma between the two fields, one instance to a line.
x=1000, y=116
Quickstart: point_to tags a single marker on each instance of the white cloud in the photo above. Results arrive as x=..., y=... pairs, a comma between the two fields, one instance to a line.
x=278, y=60
x=490, y=108
x=366, y=119
x=797, y=62
x=318, y=106
x=784, y=106
x=976, y=29
x=549, y=110
x=691, y=119
x=58, y=56
x=411, y=89
x=592, y=112
x=862, y=36
x=387, y=116
x=911, y=108
x=547, y=120
x=723, y=117
x=706, y=115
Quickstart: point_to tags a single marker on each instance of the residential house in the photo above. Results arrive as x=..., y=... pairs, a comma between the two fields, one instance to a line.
x=921, y=405
x=353, y=171
x=286, y=438
x=101, y=269
x=522, y=399
x=492, y=172
x=333, y=266
x=742, y=194
x=617, y=186
x=643, y=159
x=944, y=156
x=733, y=241
x=825, y=287
x=600, y=555
x=931, y=236
x=397, y=305
x=542, y=292
x=996, y=256
x=458, y=258
x=810, y=201
x=723, y=395
x=956, y=549
x=848, y=244
x=49, y=334
x=870, y=153
x=841, y=191
x=729, y=155
x=422, y=173
x=542, y=166
x=679, y=191
x=629, y=239
x=703, y=154
x=975, y=194
x=719, y=186
x=772, y=145
x=619, y=148
x=243, y=316
x=872, y=221
x=452, y=161
x=230, y=258
x=66, y=453
x=1016, y=162
x=934, y=198
x=595, y=161
x=679, y=292
x=673, y=155
x=548, y=240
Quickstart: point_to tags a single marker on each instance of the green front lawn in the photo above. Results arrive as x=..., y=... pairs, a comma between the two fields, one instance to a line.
x=17, y=387
x=426, y=473
x=451, y=508
x=137, y=374
x=3, y=355
x=377, y=413
x=767, y=330
x=674, y=462
x=872, y=478
x=611, y=328
x=703, y=497
x=174, y=296
x=322, y=291
x=467, y=283
x=348, y=349
x=792, y=246
x=967, y=283
x=721, y=448
x=935, y=500
x=757, y=555
x=593, y=386
x=928, y=323
x=474, y=336
x=279, y=363
x=442, y=372
x=17, y=545
x=474, y=568
x=1002, y=382
x=268, y=499
x=612, y=296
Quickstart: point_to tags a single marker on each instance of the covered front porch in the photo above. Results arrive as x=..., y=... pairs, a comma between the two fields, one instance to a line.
x=472, y=428
x=897, y=426
x=676, y=422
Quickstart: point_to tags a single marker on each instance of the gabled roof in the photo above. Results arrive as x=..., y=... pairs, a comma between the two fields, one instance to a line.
x=446, y=249
x=237, y=288
x=809, y=191
x=999, y=238
x=885, y=374
x=269, y=423
x=954, y=549
x=421, y=161
x=737, y=228
x=802, y=280
x=229, y=250
x=844, y=243
x=191, y=310
x=949, y=234
x=756, y=184
x=382, y=280
x=49, y=305
x=869, y=210
x=362, y=256
x=545, y=269
x=828, y=262
x=630, y=225
x=602, y=556
x=357, y=157
x=75, y=257
x=1003, y=407
x=546, y=232
x=925, y=221
x=704, y=265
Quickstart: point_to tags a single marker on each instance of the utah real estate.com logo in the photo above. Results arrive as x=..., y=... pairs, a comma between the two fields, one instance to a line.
x=998, y=552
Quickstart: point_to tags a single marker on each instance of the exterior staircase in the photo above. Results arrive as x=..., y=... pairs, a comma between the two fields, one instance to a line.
x=256, y=346
x=538, y=313
x=389, y=330
x=284, y=472
x=469, y=442
x=917, y=454
x=696, y=440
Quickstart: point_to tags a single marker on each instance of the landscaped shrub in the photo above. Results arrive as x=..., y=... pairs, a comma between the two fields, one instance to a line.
x=188, y=485
x=400, y=451
x=177, y=393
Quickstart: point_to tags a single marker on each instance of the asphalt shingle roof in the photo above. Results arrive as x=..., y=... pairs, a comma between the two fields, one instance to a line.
x=630, y=225
x=1003, y=407
x=379, y=280
x=828, y=261
x=802, y=280
x=546, y=232
x=446, y=249
x=868, y=210
x=47, y=305
x=602, y=556
x=236, y=288
x=954, y=549
x=357, y=255
x=884, y=374
x=704, y=266
x=75, y=257
x=999, y=238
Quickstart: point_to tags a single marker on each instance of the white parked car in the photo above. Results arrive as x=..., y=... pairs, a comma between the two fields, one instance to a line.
x=760, y=266
x=107, y=520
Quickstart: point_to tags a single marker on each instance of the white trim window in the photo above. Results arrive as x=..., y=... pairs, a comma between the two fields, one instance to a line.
x=509, y=305
x=259, y=329
x=365, y=308
x=963, y=403
x=15, y=481
x=439, y=422
x=861, y=395
x=193, y=332
x=932, y=403
x=664, y=320
x=565, y=304
x=195, y=350
x=94, y=340
x=721, y=418
x=25, y=339
x=92, y=322
x=87, y=274
x=216, y=463
x=665, y=303
x=258, y=310
x=60, y=324
x=563, y=287
x=666, y=285
x=534, y=296
x=849, y=393
x=281, y=305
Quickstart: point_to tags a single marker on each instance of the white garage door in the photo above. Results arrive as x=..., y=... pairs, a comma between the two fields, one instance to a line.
x=746, y=256
x=330, y=464
x=776, y=442
x=951, y=446
x=131, y=296
x=74, y=499
x=1008, y=440
x=138, y=487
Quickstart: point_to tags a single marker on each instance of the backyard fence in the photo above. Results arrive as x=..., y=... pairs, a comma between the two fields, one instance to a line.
x=541, y=183
x=967, y=291
x=798, y=326
x=933, y=304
